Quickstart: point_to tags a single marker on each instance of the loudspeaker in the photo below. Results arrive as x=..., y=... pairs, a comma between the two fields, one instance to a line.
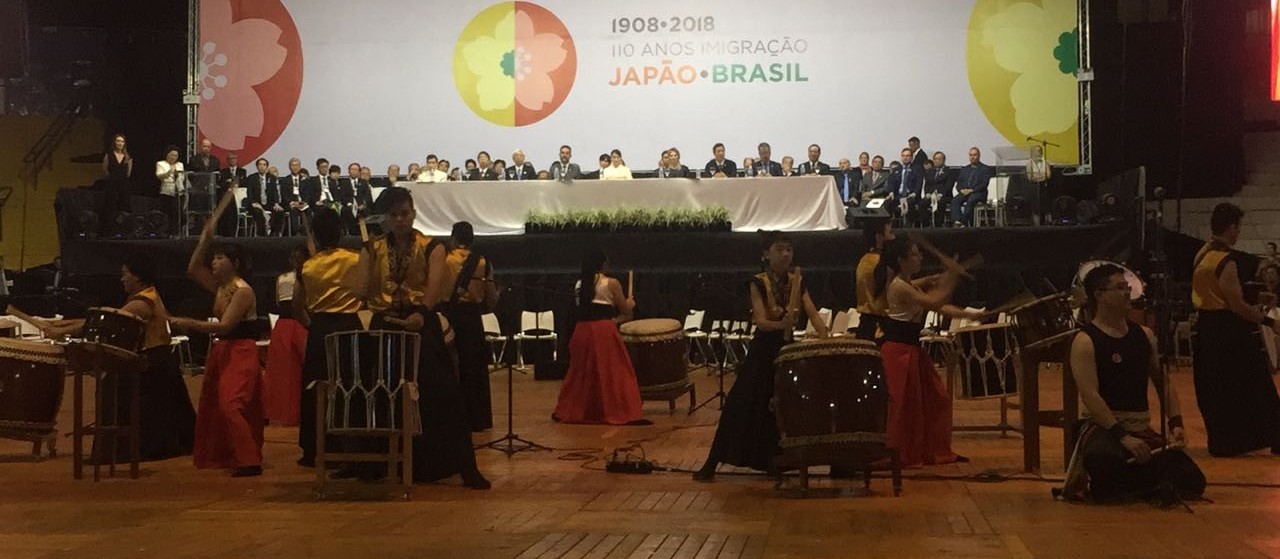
x=1020, y=201
x=77, y=211
x=855, y=215
x=1118, y=196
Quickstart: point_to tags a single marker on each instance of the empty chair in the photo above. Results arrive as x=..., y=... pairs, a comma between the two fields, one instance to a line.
x=493, y=337
x=697, y=338
x=536, y=327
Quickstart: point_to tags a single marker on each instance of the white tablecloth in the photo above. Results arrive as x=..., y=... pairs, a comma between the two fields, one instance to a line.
x=500, y=207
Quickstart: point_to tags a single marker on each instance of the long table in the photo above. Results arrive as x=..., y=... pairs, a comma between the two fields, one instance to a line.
x=500, y=207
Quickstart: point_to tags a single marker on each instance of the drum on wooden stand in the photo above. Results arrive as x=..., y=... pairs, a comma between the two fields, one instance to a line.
x=114, y=327
x=367, y=371
x=987, y=361
x=31, y=382
x=942, y=352
x=1045, y=321
x=659, y=356
x=832, y=406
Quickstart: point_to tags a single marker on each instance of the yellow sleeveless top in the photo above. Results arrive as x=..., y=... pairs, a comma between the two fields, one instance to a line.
x=474, y=290
x=322, y=281
x=1206, y=292
x=156, y=331
x=865, y=278
x=398, y=281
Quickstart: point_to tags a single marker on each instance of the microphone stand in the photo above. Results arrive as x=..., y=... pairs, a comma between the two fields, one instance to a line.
x=1044, y=153
x=1159, y=280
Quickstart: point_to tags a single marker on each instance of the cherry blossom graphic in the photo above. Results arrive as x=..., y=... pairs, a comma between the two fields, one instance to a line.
x=514, y=63
x=250, y=74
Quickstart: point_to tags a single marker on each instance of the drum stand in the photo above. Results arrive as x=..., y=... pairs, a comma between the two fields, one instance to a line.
x=511, y=443
x=92, y=359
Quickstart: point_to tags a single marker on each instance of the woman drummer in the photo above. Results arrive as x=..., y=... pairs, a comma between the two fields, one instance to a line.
x=919, y=405
x=748, y=433
x=402, y=280
x=167, y=420
x=601, y=385
x=229, y=421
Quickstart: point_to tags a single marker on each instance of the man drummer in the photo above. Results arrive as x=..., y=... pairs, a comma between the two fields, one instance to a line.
x=1119, y=455
x=871, y=307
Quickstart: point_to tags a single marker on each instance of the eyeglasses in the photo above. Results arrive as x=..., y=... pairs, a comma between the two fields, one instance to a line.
x=1119, y=287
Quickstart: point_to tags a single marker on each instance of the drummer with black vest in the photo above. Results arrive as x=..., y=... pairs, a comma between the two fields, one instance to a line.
x=323, y=301
x=472, y=293
x=747, y=435
x=1233, y=383
x=403, y=280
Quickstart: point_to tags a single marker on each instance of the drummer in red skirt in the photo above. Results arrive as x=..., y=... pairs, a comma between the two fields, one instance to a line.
x=919, y=405
x=229, y=419
x=601, y=385
x=747, y=435
x=282, y=381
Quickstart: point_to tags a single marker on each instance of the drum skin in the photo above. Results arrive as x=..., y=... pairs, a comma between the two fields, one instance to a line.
x=829, y=393
x=657, y=350
x=987, y=368
x=31, y=381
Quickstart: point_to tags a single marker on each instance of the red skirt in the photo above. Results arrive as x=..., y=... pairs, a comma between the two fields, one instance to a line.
x=919, y=406
x=601, y=385
x=282, y=383
x=229, y=422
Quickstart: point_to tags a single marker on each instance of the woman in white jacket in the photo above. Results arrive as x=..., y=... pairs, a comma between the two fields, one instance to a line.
x=172, y=183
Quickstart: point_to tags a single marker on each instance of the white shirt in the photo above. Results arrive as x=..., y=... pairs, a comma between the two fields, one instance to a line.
x=603, y=295
x=621, y=172
x=170, y=184
x=433, y=175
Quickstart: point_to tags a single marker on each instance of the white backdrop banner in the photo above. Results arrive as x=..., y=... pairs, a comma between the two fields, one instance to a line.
x=389, y=81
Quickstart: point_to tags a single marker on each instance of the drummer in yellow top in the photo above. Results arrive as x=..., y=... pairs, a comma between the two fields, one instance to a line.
x=871, y=306
x=167, y=419
x=471, y=293
x=324, y=301
x=402, y=278
x=1233, y=383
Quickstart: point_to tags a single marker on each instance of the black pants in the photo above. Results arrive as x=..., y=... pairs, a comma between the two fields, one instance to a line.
x=1112, y=477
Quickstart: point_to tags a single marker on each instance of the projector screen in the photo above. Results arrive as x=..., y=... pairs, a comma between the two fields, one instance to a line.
x=389, y=81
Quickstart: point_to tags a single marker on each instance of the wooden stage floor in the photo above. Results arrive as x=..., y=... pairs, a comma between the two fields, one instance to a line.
x=554, y=504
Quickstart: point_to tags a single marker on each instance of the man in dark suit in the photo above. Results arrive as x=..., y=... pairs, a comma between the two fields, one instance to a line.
x=875, y=183
x=232, y=173
x=291, y=200
x=763, y=165
x=906, y=185
x=814, y=166
x=939, y=183
x=263, y=199
x=520, y=170
x=204, y=161
x=353, y=195
x=484, y=169
x=971, y=185
x=848, y=178
x=918, y=155
x=719, y=166
x=562, y=169
x=318, y=190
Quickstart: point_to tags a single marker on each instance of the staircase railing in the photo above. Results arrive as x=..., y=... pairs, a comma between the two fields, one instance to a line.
x=40, y=156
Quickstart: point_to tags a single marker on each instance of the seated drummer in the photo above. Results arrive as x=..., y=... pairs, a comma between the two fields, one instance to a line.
x=167, y=419
x=1112, y=360
x=403, y=280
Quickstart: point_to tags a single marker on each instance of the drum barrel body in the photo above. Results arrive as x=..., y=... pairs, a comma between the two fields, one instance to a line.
x=658, y=351
x=115, y=328
x=831, y=402
x=1044, y=321
x=31, y=383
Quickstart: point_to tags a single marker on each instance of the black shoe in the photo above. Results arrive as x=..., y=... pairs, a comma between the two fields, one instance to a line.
x=554, y=418
x=306, y=462
x=706, y=473
x=247, y=471
x=474, y=480
x=641, y=421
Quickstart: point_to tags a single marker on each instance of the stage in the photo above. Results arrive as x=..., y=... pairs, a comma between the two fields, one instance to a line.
x=563, y=504
x=674, y=272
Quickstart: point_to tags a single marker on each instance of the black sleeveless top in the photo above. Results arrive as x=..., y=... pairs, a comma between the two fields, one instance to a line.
x=117, y=170
x=1122, y=365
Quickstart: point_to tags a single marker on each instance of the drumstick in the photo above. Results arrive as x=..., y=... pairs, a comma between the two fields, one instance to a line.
x=1158, y=450
x=631, y=283
x=364, y=231
x=947, y=261
x=794, y=300
x=40, y=324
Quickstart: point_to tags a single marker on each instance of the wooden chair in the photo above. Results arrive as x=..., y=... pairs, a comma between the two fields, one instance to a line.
x=370, y=393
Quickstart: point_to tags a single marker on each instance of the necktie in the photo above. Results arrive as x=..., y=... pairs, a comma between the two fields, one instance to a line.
x=519, y=172
x=845, y=187
x=263, y=189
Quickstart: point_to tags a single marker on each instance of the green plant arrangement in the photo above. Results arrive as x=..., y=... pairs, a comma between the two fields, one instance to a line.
x=628, y=220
